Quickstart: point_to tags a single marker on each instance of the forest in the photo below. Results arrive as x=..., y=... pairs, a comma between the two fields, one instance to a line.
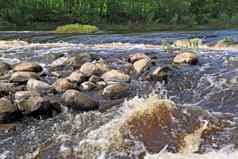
x=190, y=12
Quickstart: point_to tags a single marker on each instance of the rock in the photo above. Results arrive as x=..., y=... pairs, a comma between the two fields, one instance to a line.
x=115, y=76
x=101, y=84
x=160, y=73
x=61, y=85
x=37, y=105
x=6, y=109
x=22, y=95
x=77, y=77
x=188, y=43
x=79, y=59
x=102, y=67
x=138, y=56
x=4, y=67
x=95, y=79
x=59, y=62
x=23, y=76
x=89, y=69
x=116, y=91
x=27, y=67
x=79, y=101
x=38, y=86
x=141, y=65
x=186, y=58
x=87, y=86
x=6, y=88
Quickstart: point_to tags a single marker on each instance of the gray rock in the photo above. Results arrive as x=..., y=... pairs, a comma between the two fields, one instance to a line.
x=79, y=101
x=87, y=86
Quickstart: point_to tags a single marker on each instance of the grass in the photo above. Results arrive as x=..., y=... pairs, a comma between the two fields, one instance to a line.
x=76, y=28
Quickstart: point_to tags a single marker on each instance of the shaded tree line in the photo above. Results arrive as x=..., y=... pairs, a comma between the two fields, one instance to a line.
x=119, y=11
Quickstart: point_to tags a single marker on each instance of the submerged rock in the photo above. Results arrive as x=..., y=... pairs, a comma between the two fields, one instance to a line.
x=6, y=109
x=79, y=59
x=79, y=101
x=61, y=85
x=186, y=58
x=27, y=67
x=116, y=76
x=116, y=91
x=23, y=76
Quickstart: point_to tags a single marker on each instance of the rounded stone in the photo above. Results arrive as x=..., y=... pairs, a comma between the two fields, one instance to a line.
x=27, y=67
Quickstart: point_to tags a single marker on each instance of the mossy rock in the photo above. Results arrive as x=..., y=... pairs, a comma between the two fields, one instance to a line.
x=76, y=28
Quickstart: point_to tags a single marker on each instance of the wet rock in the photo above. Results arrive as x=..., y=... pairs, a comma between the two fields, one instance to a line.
x=4, y=67
x=186, y=58
x=61, y=85
x=87, y=86
x=101, y=84
x=23, y=76
x=79, y=101
x=27, y=67
x=138, y=56
x=38, y=86
x=59, y=62
x=22, y=95
x=89, y=69
x=6, y=88
x=77, y=77
x=141, y=65
x=79, y=59
x=37, y=105
x=159, y=74
x=154, y=123
x=102, y=67
x=6, y=109
x=116, y=91
x=115, y=76
x=95, y=79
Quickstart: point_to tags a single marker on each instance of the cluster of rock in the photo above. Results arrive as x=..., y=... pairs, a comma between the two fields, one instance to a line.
x=25, y=90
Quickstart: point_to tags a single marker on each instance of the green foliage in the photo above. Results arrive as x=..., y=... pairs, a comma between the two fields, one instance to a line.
x=187, y=12
x=76, y=28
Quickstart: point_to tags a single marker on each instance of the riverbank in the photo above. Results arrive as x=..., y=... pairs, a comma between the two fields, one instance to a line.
x=123, y=28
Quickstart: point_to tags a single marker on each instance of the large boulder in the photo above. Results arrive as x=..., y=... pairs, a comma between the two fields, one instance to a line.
x=6, y=109
x=116, y=91
x=79, y=101
x=38, y=86
x=141, y=65
x=116, y=76
x=23, y=76
x=27, y=67
x=186, y=58
x=61, y=85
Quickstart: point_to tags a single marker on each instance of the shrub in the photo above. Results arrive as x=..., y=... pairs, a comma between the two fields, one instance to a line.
x=76, y=28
